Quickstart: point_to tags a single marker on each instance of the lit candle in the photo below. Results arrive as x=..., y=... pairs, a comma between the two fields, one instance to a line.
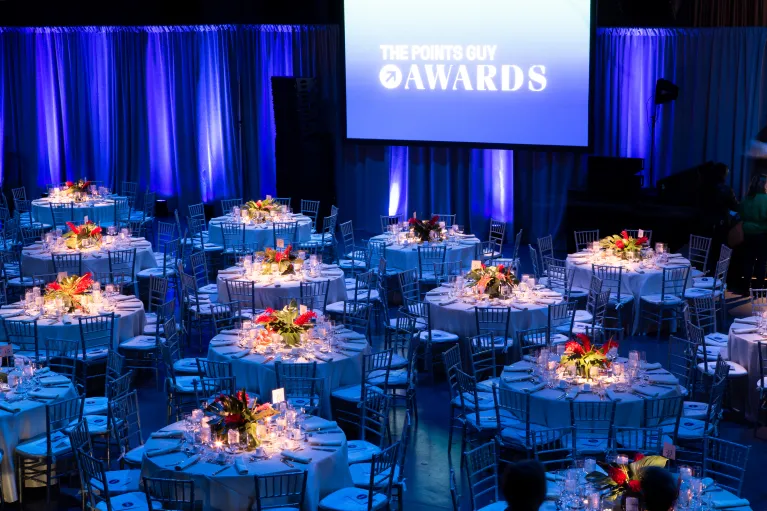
x=594, y=501
x=197, y=415
x=571, y=485
x=219, y=445
x=233, y=436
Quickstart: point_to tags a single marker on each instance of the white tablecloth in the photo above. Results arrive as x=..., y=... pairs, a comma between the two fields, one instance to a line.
x=406, y=258
x=649, y=281
x=20, y=426
x=255, y=376
x=98, y=212
x=549, y=408
x=129, y=322
x=743, y=349
x=228, y=490
x=271, y=295
x=459, y=317
x=35, y=262
x=260, y=235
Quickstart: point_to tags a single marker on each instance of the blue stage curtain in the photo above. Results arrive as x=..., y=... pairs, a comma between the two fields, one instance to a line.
x=157, y=105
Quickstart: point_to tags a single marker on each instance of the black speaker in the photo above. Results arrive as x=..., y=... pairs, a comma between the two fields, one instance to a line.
x=304, y=148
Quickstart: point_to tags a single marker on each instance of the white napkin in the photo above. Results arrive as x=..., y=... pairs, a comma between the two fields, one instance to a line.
x=296, y=457
x=325, y=442
x=646, y=391
x=53, y=380
x=728, y=502
x=240, y=466
x=8, y=407
x=188, y=462
x=744, y=330
x=346, y=336
x=151, y=453
x=522, y=365
x=663, y=378
x=651, y=366
x=4, y=313
x=318, y=424
x=167, y=434
x=512, y=379
x=352, y=347
x=46, y=393
x=749, y=321
x=534, y=388
x=223, y=342
x=547, y=301
x=242, y=354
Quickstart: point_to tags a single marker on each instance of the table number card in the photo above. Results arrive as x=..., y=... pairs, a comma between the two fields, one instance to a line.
x=476, y=265
x=268, y=197
x=280, y=243
x=85, y=219
x=302, y=309
x=6, y=351
x=278, y=396
x=669, y=451
x=61, y=276
x=640, y=233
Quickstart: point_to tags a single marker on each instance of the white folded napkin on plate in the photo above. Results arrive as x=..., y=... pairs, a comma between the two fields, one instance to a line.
x=242, y=354
x=325, y=441
x=513, y=379
x=347, y=336
x=188, y=462
x=240, y=466
x=9, y=407
x=520, y=366
x=652, y=365
x=4, y=313
x=318, y=424
x=663, y=378
x=547, y=301
x=46, y=393
x=744, y=330
x=222, y=342
x=730, y=502
x=53, y=380
x=296, y=457
x=167, y=434
x=348, y=347
x=749, y=320
x=151, y=453
x=645, y=391
x=534, y=388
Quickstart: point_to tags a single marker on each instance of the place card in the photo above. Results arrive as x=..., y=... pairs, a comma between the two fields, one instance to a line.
x=669, y=451
x=61, y=276
x=476, y=265
x=278, y=396
x=280, y=243
x=6, y=351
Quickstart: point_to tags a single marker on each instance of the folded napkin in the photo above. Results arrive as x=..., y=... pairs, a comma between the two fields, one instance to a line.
x=4, y=313
x=296, y=457
x=550, y=476
x=240, y=466
x=533, y=388
x=324, y=358
x=663, y=378
x=579, y=263
x=614, y=396
x=188, y=462
x=448, y=302
x=242, y=354
x=645, y=391
x=318, y=424
x=328, y=266
x=547, y=301
x=745, y=330
x=167, y=434
x=352, y=347
x=230, y=271
x=520, y=366
x=325, y=441
x=512, y=379
x=551, y=294
x=652, y=366
x=151, y=453
x=728, y=502
x=120, y=298
x=53, y=380
x=223, y=342
x=348, y=336
x=43, y=370
x=8, y=407
x=749, y=320
x=46, y=393
x=356, y=341
x=230, y=331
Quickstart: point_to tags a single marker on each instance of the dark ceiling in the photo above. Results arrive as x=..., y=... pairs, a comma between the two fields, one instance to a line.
x=193, y=12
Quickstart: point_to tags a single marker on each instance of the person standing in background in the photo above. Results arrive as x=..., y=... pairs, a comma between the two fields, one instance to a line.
x=753, y=213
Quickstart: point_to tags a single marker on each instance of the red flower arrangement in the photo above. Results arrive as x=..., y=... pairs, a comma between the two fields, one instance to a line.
x=284, y=258
x=236, y=412
x=586, y=355
x=623, y=242
x=76, y=235
x=287, y=323
x=620, y=479
x=69, y=290
x=426, y=230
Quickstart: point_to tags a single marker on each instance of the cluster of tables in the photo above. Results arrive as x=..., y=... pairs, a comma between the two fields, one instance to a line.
x=98, y=210
x=405, y=257
x=261, y=234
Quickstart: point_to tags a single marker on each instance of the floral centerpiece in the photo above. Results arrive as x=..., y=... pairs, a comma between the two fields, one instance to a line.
x=586, y=355
x=283, y=258
x=76, y=235
x=490, y=279
x=238, y=413
x=262, y=206
x=623, y=243
x=426, y=230
x=624, y=480
x=70, y=290
x=81, y=186
x=287, y=323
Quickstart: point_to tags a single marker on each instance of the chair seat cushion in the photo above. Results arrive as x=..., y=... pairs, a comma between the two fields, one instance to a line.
x=186, y=366
x=132, y=501
x=350, y=283
x=696, y=273
x=211, y=289
x=486, y=420
x=577, y=292
x=336, y=307
x=706, y=282
x=717, y=339
x=362, y=295
x=397, y=377
x=21, y=281
x=398, y=361
x=135, y=455
x=438, y=336
x=583, y=316
x=698, y=292
x=361, y=475
x=695, y=410
x=736, y=370
x=496, y=506
x=516, y=435
x=97, y=424
x=625, y=298
x=185, y=384
x=361, y=450
x=156, y=272
x=94, y=353
x=711, y=352
x=120, y=481
x=487, y=385
x=96, y=405
x=657, y=299
x=692, y=428
x=486, y=401
x=420, y=323
x=352, y=499
x=150, y=329
x=348, y=264
x=351, y=393
x=139, y=343
x=37, y=447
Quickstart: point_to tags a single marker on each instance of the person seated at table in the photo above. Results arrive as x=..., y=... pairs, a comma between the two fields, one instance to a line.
x=753, y=213
x=659, y=488
x=524, y=486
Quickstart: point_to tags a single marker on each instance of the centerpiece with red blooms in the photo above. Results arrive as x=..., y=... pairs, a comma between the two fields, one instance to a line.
x=623, y=478
x=81, y=186
x=283, y=258
x=492, y=279
x=623, y=243
x=586, y=355
x=260, y=209
x=426, y=230
x=70, y=290
x=237, y=412
x=86, y=234
x=287, y=324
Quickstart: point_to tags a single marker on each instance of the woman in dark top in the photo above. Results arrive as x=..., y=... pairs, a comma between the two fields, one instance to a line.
x=753, y=213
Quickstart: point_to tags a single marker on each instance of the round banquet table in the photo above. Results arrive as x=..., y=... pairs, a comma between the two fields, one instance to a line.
x=635, y=280
x=130, y=320
x=260, y=235
x=35, y=261
x=337, y=369
x=406, y=257
x=98, y=211
x=550, y=407
x=327, y=470
x=457, y=316
x=743, y=349
x=273, y=293
x=27, y=423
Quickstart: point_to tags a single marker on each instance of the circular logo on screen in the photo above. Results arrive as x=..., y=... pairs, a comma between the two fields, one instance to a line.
x=390, y=76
